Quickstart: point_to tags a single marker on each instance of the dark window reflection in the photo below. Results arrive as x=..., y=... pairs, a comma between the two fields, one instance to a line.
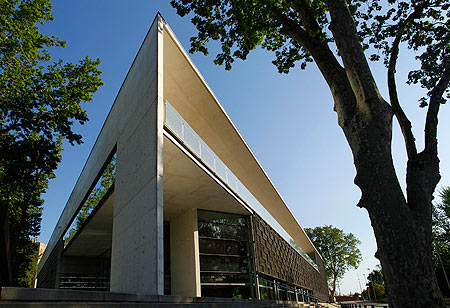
x=266, y=289
x=223, y=277
x=228, y=247
x=226, y=291
x=223, y=263
x=224, y=254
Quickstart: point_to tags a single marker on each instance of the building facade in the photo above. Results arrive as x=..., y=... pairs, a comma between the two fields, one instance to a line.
x=172, y=201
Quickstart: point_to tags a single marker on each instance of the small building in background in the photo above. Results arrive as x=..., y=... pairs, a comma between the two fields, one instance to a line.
x=40, y=248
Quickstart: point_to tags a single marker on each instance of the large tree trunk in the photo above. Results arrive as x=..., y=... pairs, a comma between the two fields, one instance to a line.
x=5, y=275
x=402, y=229
x=332, y=290
x=402, y=226
x=404, y=249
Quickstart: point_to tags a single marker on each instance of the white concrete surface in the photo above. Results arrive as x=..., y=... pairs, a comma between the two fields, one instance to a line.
x=184, y=255
x=137, y=246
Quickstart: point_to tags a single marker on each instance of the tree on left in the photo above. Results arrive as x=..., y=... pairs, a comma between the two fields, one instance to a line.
x=40, y=100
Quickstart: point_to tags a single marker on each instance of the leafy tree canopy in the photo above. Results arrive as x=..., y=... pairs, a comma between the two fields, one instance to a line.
x=40, y=100
x=339, y=251
x=376, y=276
x=376, y=287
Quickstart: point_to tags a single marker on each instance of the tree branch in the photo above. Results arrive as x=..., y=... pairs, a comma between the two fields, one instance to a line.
x=327, y=63
x=403, y=120
x=433, y=110
x=306, y=13
x=422, y=173
x=348, y=42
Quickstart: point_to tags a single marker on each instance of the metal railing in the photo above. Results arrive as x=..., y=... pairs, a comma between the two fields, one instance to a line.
x=278, y=287
x=363, y=305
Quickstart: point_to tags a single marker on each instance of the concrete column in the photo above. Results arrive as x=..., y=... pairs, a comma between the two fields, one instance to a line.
x=184, y=255
x=137, y=255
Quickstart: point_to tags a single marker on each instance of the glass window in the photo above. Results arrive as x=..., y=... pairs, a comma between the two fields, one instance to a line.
x=219, y=277
x=223, y=263
x=266, y=289
x=167, y=273
x=96, y=197
x=282, y=293
x=224, y=254
x=226, y=291
x=219, y=246
x=222, y=225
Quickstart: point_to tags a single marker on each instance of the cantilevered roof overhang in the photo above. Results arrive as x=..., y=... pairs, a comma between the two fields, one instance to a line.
x=187, y=185
x=190, y=95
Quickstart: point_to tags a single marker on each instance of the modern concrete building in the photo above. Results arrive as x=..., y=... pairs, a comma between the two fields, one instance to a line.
x=172, y=200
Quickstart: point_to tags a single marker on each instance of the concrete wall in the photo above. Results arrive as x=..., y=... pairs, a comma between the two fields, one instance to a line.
x=184, y=255
x=134, y=127
x=276, y=258
x=137, y=254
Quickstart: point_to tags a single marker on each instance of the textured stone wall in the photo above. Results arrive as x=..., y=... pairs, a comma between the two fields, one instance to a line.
x=276, y=258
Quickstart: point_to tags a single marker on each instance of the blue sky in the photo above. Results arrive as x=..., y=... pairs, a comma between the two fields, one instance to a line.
x=287, y=120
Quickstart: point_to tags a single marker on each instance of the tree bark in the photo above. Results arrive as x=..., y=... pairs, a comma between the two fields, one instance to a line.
x=404, y=249
x=333, y=290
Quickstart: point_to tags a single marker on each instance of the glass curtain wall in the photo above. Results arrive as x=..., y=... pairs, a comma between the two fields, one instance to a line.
x=225, y=260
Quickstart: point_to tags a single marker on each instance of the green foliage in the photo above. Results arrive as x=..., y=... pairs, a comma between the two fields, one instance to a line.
x=376, y=276
x=339, y=251
x=241, y=26
x=424, y=26
x=39, y=103
x=26, y=260
x=106, y=180
x=379, y=290
x=376, y=285
x=441, y=238
x=376, y=291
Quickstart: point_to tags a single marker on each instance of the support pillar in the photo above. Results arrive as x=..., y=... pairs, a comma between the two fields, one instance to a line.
x=184, y=255
x=137, y=254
